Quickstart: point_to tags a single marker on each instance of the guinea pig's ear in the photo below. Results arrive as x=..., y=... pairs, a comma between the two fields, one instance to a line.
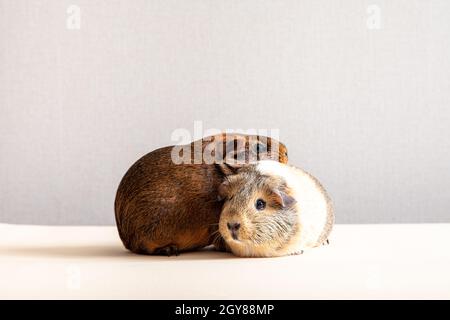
x=224, y=190
x=283, y=199
x=228, y=169
x=236, y=152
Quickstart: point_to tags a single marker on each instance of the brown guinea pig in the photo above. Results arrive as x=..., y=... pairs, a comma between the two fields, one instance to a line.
x=165, y=208
x=273, y=209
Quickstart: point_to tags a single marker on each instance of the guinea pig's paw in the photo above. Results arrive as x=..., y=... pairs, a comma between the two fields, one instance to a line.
x=296, y=253
x=169, y=250
x=326, y=242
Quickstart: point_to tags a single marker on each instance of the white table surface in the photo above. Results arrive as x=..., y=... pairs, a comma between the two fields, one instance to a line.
x=361, y=262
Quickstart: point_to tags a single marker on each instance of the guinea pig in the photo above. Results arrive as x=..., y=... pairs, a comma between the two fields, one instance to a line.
x=273, y=209
x=165, y=207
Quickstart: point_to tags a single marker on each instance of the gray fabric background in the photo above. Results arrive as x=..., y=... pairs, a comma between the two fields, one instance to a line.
x=361, y=105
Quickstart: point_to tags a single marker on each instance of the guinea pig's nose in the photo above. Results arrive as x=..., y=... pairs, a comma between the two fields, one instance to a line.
x=233, y=226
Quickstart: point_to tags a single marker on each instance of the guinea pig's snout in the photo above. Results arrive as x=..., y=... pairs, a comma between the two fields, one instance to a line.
x=234, y=227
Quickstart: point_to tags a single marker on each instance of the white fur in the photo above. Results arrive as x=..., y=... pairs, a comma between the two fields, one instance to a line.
x=312, y=203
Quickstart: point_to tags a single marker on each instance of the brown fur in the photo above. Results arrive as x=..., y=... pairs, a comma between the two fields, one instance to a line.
x=164, y=208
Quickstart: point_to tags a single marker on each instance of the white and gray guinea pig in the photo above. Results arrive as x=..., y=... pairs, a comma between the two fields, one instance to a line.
x=272, y=209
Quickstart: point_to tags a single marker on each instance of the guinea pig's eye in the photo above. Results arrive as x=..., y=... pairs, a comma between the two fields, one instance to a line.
x=260, y=204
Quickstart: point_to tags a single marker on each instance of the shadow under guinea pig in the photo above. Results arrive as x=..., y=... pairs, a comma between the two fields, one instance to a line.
x=98, y=252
